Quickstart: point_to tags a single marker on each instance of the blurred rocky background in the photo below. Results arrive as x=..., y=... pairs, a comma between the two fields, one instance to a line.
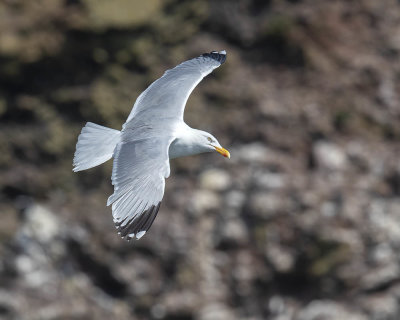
x=302, y=223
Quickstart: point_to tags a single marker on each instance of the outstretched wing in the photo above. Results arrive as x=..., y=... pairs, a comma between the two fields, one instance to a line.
x=167, y=96
x=139, y=172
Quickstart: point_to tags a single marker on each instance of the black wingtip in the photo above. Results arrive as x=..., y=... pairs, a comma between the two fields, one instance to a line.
x=218, y=56
x=137, y=228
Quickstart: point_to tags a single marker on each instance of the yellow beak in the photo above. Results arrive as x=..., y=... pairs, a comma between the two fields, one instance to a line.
x=223, y=151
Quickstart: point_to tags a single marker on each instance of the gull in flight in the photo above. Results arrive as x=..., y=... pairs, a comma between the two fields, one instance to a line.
x=153, y=133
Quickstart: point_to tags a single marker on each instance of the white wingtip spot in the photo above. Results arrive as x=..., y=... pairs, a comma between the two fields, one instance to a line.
x=140, y=234
x=222, y=52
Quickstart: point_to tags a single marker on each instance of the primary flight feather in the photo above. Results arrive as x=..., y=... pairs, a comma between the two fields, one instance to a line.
x=153, y=133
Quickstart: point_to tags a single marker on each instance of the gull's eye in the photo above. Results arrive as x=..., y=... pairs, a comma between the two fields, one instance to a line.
x=209, y=139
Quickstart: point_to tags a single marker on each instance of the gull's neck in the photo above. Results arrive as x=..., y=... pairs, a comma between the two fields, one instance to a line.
x=187, y=142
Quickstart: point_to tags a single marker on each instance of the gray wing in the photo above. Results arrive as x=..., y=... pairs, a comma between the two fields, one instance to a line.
x=167, y=96
x=139, y=171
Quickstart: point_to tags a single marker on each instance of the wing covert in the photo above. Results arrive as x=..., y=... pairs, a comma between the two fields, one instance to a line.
x=167, y=96
x=139, y=173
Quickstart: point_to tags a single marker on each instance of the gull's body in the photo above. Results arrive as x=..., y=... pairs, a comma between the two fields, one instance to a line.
x=153, y=133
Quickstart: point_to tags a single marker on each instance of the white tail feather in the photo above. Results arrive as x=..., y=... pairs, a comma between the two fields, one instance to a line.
x=95, y=145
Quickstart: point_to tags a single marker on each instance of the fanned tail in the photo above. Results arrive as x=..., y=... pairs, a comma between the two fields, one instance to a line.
x=95, y=146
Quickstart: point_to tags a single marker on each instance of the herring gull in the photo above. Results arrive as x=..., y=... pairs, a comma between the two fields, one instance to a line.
x=153, y=133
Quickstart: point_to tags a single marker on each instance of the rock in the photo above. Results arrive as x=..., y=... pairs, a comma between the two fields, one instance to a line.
x=380, y=276
x=35, y=271
x=329, y=156
x=40, y=224
x=329, y=209
x=328, y=310
x=158, y=311
x=204, y=200
x=179, y=301
x=39, y=237
x=215, y=311
x=252, y=153
x=281, y=258
x=215, y=179
x=266, y=205
x=276, y=305
x=269, y=180
x=384, y=216
x=233, y=230
x=235, y=199
x=383, y=253
x=359, y=155
x=382, y=307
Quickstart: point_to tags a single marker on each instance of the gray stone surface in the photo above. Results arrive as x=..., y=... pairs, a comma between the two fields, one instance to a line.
x=302, y=223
